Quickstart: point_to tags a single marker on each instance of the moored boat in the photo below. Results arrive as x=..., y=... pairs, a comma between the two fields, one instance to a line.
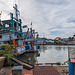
x=11, y=32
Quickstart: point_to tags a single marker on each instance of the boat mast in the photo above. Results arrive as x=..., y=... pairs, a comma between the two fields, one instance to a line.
x=16, y=15
x=31, y=35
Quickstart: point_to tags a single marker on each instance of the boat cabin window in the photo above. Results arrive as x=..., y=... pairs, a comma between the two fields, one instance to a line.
x=6, y=25
x=0, y=36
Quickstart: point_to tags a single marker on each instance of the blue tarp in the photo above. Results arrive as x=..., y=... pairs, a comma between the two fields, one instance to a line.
x=38, y=47
x=27, y=47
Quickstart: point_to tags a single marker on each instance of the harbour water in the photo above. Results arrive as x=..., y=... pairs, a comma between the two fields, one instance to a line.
x=48, y=54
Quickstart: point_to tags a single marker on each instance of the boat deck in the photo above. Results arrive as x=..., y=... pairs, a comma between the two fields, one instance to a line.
x=38, y=70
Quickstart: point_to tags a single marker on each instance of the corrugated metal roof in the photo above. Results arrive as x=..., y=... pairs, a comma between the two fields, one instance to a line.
x=45, y=70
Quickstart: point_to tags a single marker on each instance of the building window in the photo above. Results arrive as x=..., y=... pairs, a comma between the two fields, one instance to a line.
x=0, y=36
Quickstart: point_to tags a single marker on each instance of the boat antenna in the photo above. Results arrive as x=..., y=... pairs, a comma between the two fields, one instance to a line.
x=43, y=35
x=0, y=17
x=31, y=24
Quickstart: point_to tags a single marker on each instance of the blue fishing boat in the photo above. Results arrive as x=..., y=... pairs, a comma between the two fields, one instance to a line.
x=11, y=32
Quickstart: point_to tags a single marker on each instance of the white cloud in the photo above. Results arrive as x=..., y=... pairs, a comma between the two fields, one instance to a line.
x=47, y=15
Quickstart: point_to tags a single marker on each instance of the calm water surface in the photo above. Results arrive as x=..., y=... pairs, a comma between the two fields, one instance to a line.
x=48, y=54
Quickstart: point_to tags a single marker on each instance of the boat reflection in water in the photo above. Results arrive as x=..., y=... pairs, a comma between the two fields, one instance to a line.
x=49, y=54
x=30, y=57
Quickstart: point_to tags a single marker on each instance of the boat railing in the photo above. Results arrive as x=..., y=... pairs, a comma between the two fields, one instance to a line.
x=4, y=28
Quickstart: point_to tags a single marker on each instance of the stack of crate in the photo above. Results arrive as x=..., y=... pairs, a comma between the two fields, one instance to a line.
x=17, y=70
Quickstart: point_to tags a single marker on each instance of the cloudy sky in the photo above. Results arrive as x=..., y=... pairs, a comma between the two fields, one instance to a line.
x=51, y=18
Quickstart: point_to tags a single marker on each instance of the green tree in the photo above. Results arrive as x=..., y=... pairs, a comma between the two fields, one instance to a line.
x=70, y=38
x=8, y=52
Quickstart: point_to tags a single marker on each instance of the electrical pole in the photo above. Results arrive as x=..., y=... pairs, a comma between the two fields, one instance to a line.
x=68, y=53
